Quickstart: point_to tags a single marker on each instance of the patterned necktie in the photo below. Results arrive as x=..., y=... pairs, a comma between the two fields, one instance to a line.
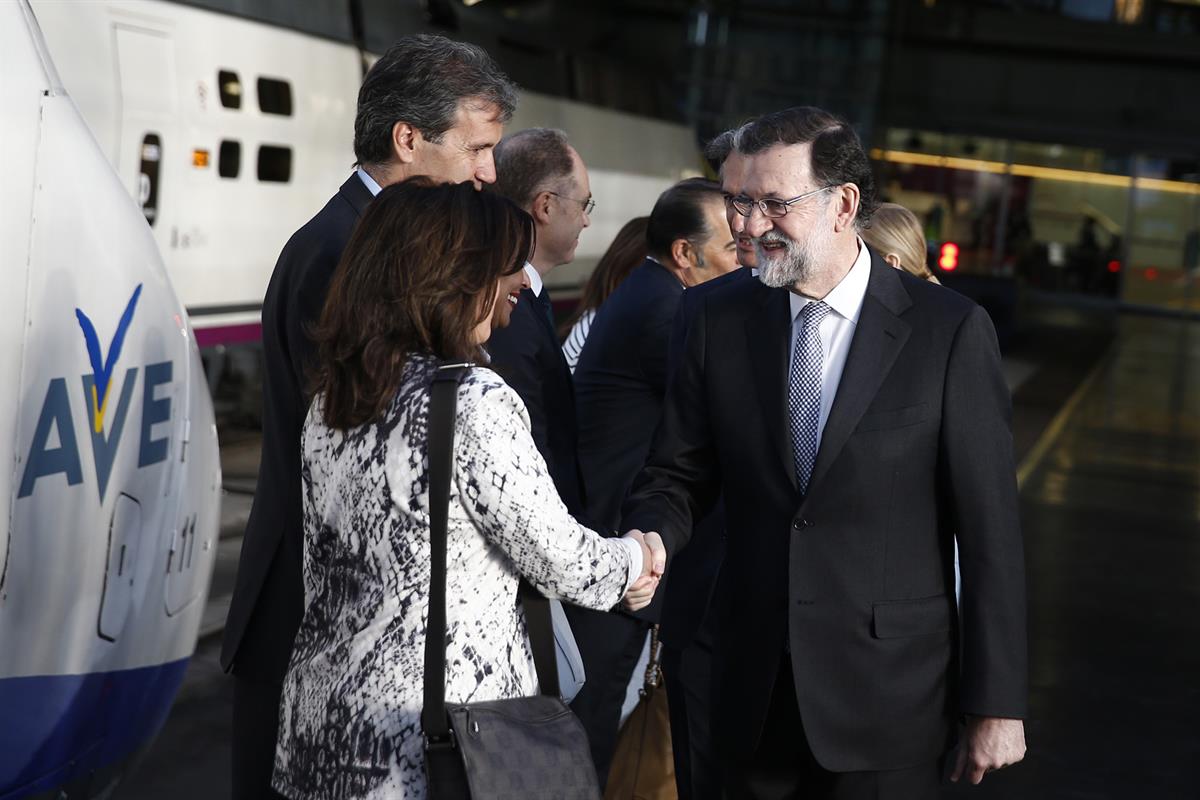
x=804, y=391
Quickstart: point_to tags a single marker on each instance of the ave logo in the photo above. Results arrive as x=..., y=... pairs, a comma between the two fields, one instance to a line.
x=98, y=393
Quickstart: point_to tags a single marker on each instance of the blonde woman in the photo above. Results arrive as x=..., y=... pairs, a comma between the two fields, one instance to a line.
x=896, y=234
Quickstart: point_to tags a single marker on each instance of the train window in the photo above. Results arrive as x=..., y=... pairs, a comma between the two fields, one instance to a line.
x=148, y=178
x=229, y=159
x=274, y=163
x=275, y=96
x=231, y=88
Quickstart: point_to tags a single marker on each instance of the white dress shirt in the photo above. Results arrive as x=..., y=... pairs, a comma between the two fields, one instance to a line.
x=368, y=181
x=836, y=329
x=535, y=278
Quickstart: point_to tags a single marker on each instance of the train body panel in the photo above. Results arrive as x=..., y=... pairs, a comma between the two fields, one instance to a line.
x=152, y=68
x=111, y=500
x=192, y=78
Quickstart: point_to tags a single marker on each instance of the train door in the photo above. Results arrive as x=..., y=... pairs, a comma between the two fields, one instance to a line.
x=148, y=145
x=120, y=574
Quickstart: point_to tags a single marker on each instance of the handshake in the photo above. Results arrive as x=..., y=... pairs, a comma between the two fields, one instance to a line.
x=654, y=563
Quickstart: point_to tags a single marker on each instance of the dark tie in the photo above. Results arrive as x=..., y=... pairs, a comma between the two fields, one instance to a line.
x=804, y=391
x=544, y=298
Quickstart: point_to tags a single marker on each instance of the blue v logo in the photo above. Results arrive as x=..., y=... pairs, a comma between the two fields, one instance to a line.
x=44, y=460
x=102, y=368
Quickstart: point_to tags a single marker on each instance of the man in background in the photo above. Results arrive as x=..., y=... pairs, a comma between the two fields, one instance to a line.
x=431, y=107
x=539, y=171
x=620, y=382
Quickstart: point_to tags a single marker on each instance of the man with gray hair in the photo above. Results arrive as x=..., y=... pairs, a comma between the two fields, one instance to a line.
x=855, y=420
x=430, y=107
x=539, y=171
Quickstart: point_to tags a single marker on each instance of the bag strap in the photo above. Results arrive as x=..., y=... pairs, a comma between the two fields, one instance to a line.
x=653, y=676
x=443, y=403
x=541, y=638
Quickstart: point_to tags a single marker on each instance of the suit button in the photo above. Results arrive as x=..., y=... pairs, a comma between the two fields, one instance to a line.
x=800, y=524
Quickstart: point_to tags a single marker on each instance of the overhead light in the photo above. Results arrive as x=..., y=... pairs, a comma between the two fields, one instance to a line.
x=1034, y=171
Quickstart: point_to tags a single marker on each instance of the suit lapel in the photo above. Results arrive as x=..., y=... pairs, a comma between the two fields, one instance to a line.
x=878, y=339
x=768, y=339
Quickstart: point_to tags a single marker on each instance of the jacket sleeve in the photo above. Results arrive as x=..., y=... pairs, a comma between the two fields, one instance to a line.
x=509, y=496
x=679, y=481
x=979, y=475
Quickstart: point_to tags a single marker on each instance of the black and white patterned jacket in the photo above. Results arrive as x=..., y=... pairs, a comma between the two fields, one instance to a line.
x=350, y=715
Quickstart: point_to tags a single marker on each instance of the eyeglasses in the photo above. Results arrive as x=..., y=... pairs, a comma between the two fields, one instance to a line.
x=587, y=204
x=770, y=207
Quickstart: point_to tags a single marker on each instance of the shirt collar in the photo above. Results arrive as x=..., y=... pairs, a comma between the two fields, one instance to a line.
x=369, y=182
x=535, y=278
x=665, y=267
x=847, y=297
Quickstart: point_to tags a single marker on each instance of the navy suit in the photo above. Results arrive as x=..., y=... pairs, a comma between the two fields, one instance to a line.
x=620, y=382
x=268, y=597
x=527, y=355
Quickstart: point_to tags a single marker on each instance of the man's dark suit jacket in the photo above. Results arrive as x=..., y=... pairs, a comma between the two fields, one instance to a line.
x=620, y=382
x=857, y=576
x=686, y=593
x=527, y=355
x=268, y=598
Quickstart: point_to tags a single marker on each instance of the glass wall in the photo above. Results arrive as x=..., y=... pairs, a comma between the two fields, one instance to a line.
x=1163, y=16
x=1055, y=218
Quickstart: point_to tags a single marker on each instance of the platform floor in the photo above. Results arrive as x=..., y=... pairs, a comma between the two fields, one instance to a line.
x=1111, y=515
x=1110, y=467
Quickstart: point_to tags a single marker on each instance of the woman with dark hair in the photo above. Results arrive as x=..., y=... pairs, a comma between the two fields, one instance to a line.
x=422, y=280
x=628, y=249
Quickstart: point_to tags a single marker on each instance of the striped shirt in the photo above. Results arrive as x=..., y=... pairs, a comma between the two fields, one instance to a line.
x=573, y=346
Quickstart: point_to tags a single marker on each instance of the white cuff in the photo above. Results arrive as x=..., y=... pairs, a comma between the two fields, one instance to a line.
x=635, y=561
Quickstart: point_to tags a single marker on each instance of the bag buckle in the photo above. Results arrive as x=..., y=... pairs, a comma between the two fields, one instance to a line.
x=447, y=743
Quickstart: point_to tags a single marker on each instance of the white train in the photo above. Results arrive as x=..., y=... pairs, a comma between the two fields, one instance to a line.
x=110, y=492
x=231, y=133
x=225, y=135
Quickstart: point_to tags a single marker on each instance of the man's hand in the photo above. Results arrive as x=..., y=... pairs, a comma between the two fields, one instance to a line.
x=654, y=563
x=989, y=743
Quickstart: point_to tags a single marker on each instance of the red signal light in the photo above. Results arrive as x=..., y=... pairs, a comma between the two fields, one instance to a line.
x=948, y=258
x=1151, y=273
x=1114, y=266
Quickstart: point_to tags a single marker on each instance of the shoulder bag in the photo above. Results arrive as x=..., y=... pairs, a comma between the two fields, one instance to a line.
x=527, y=747
x=643, y=767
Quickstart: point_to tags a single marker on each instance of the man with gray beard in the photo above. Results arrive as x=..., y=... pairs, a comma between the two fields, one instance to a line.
x=855, y=419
